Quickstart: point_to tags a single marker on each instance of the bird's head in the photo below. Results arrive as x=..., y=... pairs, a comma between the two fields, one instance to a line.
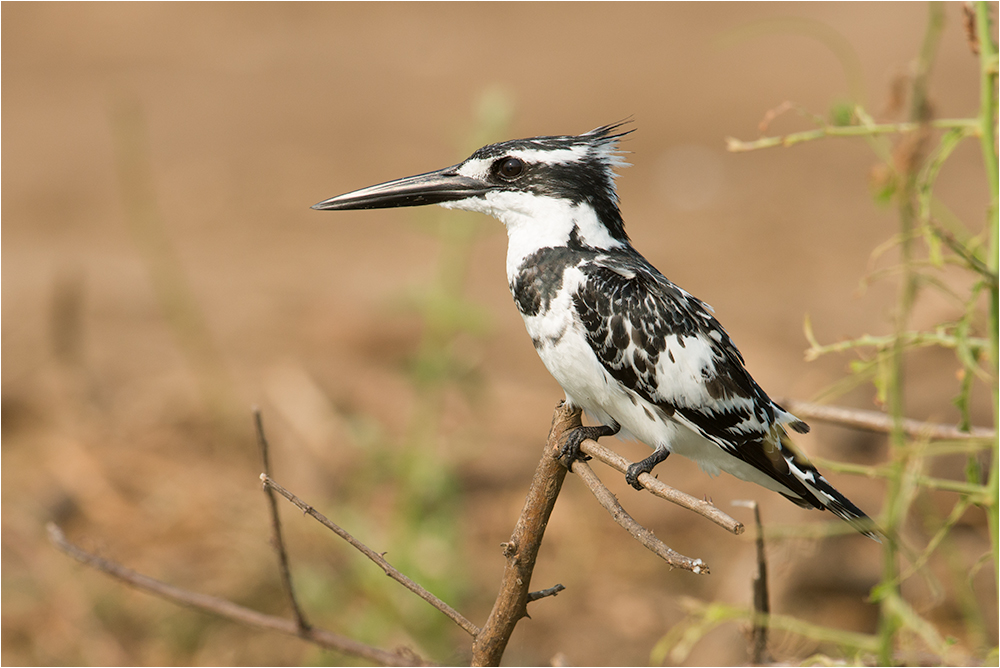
x=519, y=182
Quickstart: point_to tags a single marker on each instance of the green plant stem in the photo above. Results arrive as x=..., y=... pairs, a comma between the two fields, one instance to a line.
x=916, y=339
x=914, y=153
x=895, y=511
x=738, y=146
x=987, y=138
x=977, y=493
x=987, y=96
x=898, y=498
x=678, y=643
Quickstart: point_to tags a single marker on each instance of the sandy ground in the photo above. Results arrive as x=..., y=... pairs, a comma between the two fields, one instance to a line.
x=160, y=160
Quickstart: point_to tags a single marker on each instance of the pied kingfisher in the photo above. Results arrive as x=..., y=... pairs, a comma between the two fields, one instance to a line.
x=638, y=354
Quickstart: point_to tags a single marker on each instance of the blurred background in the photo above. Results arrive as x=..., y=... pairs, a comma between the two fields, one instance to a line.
x=163, y=273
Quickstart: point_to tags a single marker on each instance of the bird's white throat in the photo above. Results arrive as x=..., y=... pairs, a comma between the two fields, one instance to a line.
x=534, y=222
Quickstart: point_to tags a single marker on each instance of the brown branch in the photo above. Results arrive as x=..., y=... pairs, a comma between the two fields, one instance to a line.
x=522, y=550
x=277, y=541
x=639, y=532
x=661, y=489
x=761, y=599
x=879, y=422
x=223, y=608
x=453, y=614
x=543, y=593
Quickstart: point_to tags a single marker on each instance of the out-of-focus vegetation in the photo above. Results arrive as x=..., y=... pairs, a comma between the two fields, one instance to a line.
x=938, y=253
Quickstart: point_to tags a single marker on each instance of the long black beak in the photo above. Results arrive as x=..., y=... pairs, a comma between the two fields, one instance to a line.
x=444, y=185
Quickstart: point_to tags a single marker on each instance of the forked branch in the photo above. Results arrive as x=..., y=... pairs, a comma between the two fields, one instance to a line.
x=512, y=601
x=522, y=549
x=379, y=560
x=270, y=487
x=277, y=539
x=637, y=531
x=663, y=490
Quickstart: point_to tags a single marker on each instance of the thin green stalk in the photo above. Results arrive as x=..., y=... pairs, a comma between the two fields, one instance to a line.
x=987, y=97
x=987, y=138
x=915, y=161
x=681, y=639
x=890, y=619
x=734, y=145
x=950, y=553
x=910, y=339
x=976, y=493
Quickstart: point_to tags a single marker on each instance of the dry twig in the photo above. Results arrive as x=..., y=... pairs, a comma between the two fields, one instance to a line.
x=543, y=593
x=661, y=489
x=879, y=422
x=230, y=610
x=761, y=599
x=521, y=551
x=512, y=601
x=277, y=541
x=639, y=532
x=453, y=614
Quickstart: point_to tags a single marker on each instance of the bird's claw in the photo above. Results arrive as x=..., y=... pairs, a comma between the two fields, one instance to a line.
x=633, y=472
x=570, y=450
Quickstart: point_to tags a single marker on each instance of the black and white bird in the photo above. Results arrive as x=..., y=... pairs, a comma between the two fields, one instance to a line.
x=638, y=354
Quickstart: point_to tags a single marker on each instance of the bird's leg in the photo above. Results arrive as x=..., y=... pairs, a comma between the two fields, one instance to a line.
x=570, y=449
x=645, y=466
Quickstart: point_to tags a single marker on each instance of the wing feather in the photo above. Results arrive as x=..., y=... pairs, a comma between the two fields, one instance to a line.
x=666, y=346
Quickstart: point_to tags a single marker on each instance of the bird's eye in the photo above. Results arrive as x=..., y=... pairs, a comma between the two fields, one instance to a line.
x=510, y=168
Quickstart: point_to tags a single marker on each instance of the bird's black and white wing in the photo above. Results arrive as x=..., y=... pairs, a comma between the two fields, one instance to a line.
x=665, y=345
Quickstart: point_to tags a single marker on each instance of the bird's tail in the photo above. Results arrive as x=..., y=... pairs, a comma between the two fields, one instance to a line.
x=823, y=495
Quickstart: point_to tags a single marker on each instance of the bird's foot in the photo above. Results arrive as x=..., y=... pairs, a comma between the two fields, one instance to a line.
x=570, y=450
x=633, y=472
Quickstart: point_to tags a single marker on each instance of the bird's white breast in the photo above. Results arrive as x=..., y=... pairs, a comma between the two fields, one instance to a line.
x=561, y=342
